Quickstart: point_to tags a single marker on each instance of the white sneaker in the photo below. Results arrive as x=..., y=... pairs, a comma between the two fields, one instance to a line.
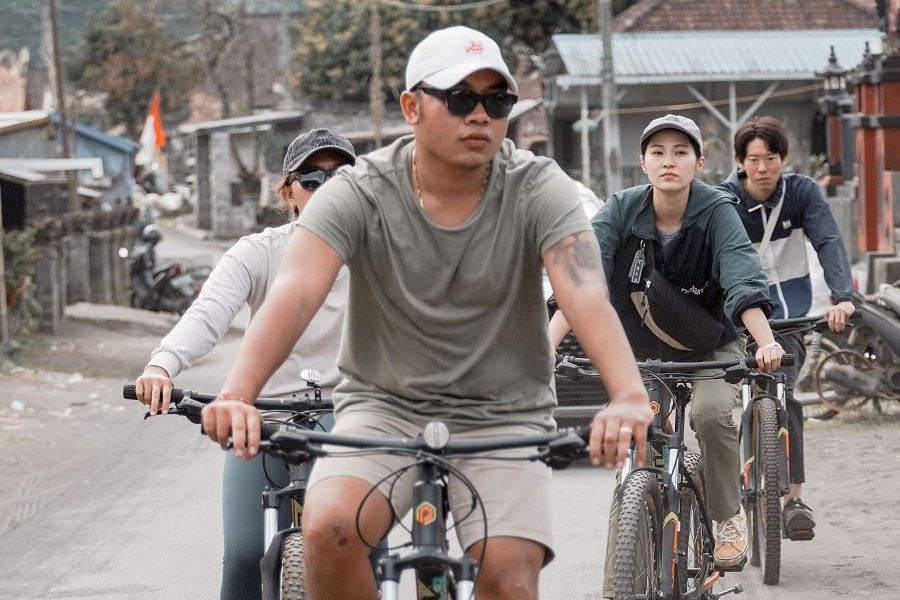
x=731, y=540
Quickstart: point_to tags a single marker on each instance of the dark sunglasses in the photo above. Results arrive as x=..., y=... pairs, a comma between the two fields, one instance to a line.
x=311, y=179
x=497, y=105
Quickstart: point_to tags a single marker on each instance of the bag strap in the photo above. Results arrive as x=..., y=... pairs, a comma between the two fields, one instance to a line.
x=770, y=224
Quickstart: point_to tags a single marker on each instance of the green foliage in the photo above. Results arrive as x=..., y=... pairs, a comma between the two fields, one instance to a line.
x=21, y=23
x=127, y=55
x=533, y=22
x=21, y=294
x=332, y=59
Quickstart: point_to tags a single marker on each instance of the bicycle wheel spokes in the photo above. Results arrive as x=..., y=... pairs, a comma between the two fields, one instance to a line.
x=805, y=392
x=637, y=566
x=834, y=395
x=695, y=545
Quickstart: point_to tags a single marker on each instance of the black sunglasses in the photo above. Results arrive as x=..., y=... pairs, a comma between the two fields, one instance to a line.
x=311, y=179
x=497, y=105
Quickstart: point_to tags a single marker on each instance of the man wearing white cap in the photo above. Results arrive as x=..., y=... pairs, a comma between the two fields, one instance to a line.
x=445, y=234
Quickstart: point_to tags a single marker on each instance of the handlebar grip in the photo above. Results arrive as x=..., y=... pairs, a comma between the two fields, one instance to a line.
x=787, y=360
x=129, y=394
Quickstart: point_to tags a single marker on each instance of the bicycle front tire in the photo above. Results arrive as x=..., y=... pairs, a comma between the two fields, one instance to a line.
x=765, y=525
x=292, y=585
x=638, y=547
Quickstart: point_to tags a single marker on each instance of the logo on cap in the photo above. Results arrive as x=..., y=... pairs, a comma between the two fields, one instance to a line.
x=475, y=47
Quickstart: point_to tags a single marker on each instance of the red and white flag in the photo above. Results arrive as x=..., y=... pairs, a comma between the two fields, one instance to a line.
x=153, y=136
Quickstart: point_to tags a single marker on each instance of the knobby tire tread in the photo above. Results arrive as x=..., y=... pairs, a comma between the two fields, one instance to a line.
x=768, y=509
x=292, y=585
x=637, y=568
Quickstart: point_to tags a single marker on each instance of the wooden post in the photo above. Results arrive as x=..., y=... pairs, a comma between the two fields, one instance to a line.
x=877, y=125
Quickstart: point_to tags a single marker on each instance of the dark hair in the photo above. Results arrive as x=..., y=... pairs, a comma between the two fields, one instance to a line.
x=767, y=129
x=694, y=145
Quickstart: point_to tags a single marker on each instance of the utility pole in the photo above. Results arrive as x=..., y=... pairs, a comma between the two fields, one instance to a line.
x=286, y=97
x=376, y=100
x=4, y=317
x=611, y=134
x=65, y=133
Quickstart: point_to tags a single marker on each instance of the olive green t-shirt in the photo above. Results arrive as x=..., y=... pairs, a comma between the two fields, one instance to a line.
x=447, y=323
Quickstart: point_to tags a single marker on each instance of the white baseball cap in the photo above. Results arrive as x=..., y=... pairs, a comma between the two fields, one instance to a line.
x=448, y=56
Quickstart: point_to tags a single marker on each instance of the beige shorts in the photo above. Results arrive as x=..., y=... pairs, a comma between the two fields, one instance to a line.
x=517, y=494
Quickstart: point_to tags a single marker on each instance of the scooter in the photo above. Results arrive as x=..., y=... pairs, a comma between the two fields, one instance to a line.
x=867, y=365
x=167, y=288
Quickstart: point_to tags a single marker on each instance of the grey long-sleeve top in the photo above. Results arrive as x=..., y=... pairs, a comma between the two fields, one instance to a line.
x=243, y=276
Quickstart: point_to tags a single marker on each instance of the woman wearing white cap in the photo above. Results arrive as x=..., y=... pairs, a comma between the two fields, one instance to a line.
x=244, y=275
x=446, y=233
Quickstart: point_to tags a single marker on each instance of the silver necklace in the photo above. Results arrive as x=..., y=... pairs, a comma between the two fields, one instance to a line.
x=419, y=187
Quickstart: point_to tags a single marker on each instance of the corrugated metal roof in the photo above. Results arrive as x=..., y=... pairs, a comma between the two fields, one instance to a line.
x=12, y=120
x=694, y=56
x=249, y=121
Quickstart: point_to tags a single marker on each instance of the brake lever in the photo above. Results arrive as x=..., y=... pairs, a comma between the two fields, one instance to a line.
x=568, y=369
x=565, y=450
x=737, y=373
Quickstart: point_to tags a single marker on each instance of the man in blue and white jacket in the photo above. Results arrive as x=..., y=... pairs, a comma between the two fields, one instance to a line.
x=800, y=212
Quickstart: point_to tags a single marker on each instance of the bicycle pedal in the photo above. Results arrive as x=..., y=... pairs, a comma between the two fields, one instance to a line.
x=733, y=568
x=801, y=535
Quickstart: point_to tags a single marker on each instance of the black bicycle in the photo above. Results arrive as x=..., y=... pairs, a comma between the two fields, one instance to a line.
x=664, y=541
x=282, y=565
x=439, y=575
x=765, y=477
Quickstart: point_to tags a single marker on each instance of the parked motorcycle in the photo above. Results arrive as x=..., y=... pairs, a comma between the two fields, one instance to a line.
x=867, y=365
x=164, y=288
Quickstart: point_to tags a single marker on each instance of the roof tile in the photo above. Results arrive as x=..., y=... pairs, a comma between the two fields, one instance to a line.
x=743, y=15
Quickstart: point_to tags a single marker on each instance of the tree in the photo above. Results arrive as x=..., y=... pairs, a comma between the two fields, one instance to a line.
x=219, y=28
x=533, y=22
x=127, y=55
x=332, y=61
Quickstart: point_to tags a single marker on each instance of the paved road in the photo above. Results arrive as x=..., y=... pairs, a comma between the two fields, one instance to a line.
x=109, y=505
x=97, y=503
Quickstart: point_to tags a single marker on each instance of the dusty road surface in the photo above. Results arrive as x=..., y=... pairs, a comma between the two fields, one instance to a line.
x=97, y=503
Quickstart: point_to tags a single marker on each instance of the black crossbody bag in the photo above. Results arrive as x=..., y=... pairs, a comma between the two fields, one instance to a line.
x=673, y=317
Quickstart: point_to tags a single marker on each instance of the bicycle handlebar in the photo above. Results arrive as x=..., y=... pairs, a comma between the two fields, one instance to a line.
x=733, y=371
x=557, y=449
x=296, y=444
x=810, y=322
x=189, y=403
x=748, y=363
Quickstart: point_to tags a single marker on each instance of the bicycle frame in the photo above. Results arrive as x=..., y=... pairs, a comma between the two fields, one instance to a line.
x=668, y=515
x=306, y=412
x=667, y=448
x=430, y=451
x=429, y=555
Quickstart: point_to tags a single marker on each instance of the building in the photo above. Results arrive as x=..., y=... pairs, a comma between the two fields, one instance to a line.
x=34, y=180
x=719, y=62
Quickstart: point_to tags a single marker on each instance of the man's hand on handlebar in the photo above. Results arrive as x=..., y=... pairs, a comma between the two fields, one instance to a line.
x=231, y=417
x=612, y=430
x=839, y=314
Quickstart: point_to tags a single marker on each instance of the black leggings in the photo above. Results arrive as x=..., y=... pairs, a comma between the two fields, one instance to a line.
x=793, y=344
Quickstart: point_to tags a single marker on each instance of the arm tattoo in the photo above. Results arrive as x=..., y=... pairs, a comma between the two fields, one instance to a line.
x=579, y=257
